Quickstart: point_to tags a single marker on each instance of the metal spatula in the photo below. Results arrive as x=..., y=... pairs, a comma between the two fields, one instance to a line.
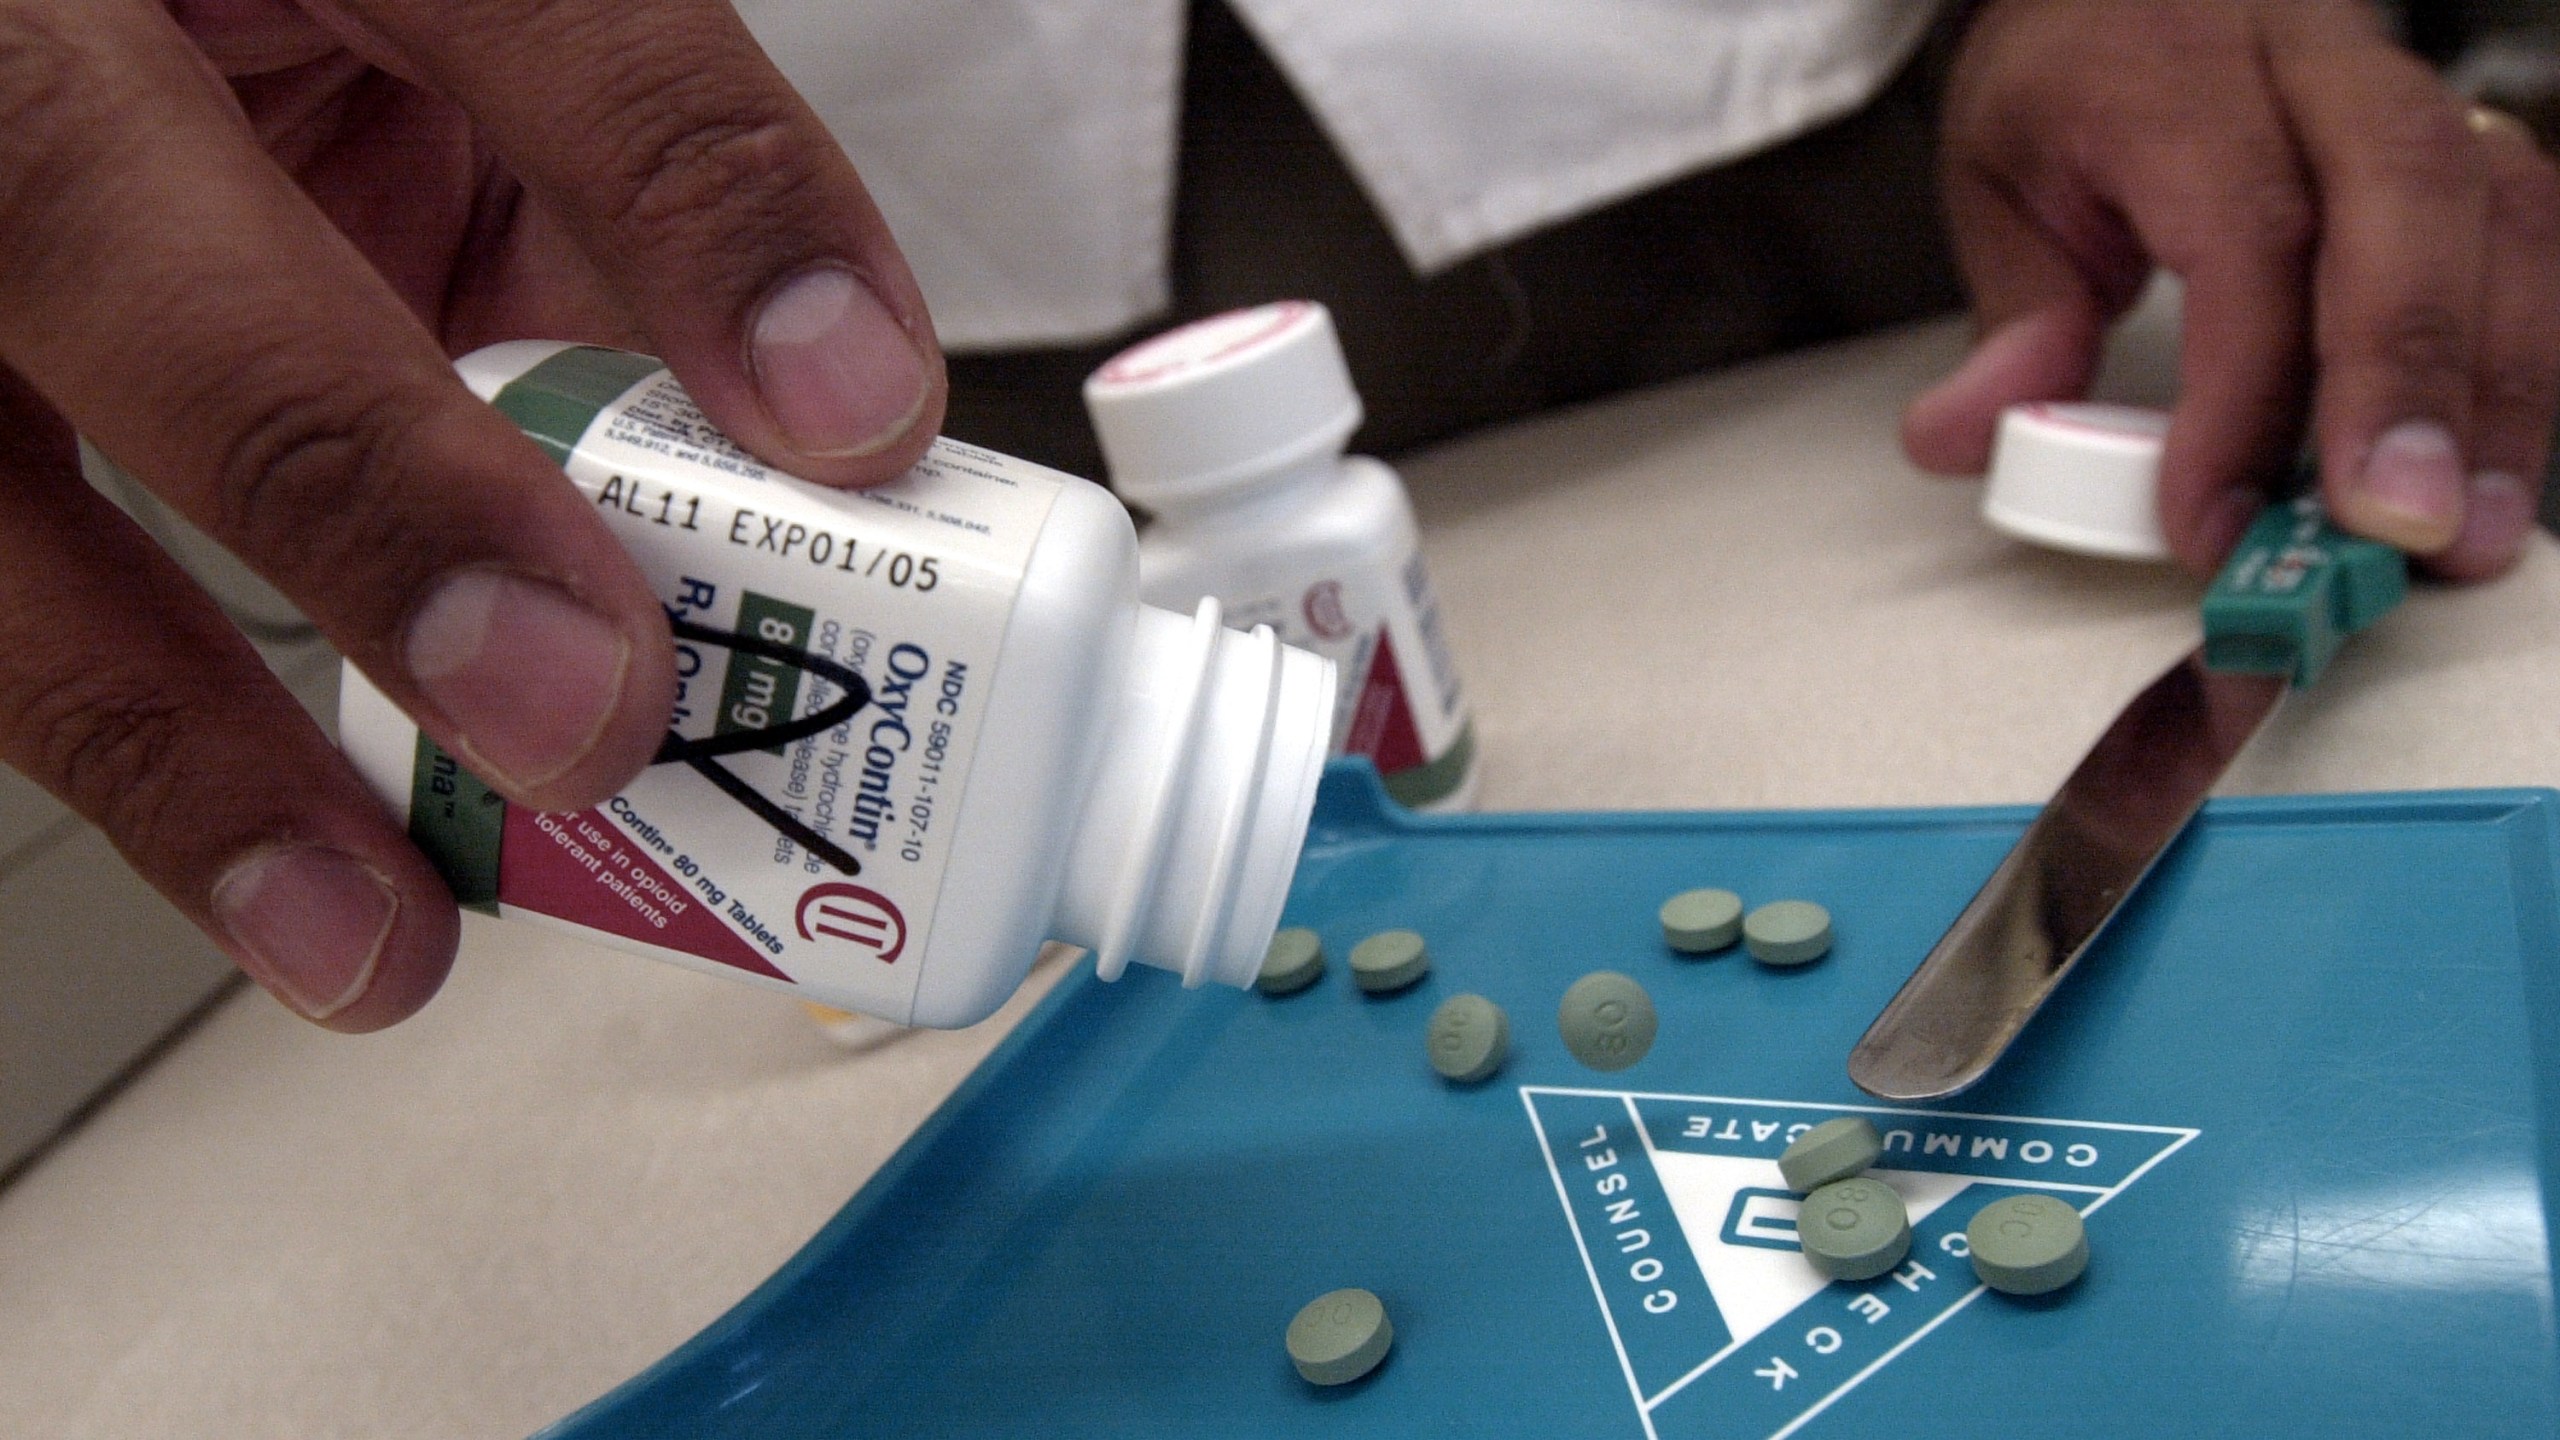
x=2292, y=592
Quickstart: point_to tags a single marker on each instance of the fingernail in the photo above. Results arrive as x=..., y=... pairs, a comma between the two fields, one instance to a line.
x=839, y=373
x=2493, y=525
x=2410, y=492
x=309, y=922
x=529, y=675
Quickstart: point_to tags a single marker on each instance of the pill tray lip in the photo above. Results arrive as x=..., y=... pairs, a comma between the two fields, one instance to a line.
x=2360, y=1241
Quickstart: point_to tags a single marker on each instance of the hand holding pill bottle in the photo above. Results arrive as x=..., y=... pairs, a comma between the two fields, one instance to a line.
x=244, y=241
x=918, y=730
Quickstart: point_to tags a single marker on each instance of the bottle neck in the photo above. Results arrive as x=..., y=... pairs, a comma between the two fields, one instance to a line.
x=1199, y=804
x=1261, y=498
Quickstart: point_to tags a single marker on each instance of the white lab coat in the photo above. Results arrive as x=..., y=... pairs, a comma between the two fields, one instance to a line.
x=1023, y=149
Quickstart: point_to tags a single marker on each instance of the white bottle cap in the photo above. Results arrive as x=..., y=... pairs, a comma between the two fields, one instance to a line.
x=2082, y=477
x=1223, y=401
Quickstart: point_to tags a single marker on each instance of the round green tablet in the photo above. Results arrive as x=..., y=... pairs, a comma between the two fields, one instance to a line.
x=1294, y=961
x=1787, y=932
x=1607, y=1020
x=1340, y=1337
x=1832, y=1150
x=1700, y=922
x=1467, y=1037
x=1854, y=1229
x=2028, y=1244
x=1389, y=960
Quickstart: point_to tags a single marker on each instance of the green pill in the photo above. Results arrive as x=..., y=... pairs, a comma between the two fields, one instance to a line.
x=1700, y=922
x=1294, y=961
x=1339, y=1337
x=2027, y=1244
x=1787, y=932
x=1467, y=1037
x=1832, y=1150
x=1389, y=960
x=1854, y=1229
x=1607, y=1020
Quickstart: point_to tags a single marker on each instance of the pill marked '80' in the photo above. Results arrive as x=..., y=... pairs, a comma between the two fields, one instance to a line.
x=2027, y=1244
x=1340, y=1336
x=1607, y=1020
x=1854, y=1229
x=1467, y=1038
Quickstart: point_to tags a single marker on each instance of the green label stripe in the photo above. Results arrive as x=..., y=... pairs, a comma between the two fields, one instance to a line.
x=555, y=401
x=1435, y=779
x=459, y=823
x=757, y=692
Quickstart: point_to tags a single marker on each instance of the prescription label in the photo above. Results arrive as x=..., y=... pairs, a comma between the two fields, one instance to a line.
x=1688, y=1234
x=1400, y=703
x=812, y=860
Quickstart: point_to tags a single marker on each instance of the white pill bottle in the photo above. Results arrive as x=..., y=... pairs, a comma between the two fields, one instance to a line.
x=921, y=728
x=1230, y=431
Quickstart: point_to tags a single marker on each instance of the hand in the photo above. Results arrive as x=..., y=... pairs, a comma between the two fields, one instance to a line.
x=243, y=237
x=2353, y=244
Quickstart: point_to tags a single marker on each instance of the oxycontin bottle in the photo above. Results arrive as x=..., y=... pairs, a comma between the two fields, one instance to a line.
x=921, y=728
x=1230, y=430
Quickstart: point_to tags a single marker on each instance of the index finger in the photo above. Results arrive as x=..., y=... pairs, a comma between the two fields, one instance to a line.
x=170, y=293
x=173, y=296
x=714, y=201
x=2225, y=208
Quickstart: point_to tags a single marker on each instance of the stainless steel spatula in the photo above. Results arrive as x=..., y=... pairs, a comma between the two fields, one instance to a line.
x=2291, y=593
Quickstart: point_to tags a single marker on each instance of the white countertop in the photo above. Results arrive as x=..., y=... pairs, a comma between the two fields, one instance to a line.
x=1727, y=593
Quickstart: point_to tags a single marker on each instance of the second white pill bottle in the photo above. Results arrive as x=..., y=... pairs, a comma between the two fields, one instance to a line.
x=1230, y=432
x=921, y=728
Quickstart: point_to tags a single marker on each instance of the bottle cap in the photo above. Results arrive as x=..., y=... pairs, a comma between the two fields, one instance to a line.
x=2082, y=477
x=1221, y=402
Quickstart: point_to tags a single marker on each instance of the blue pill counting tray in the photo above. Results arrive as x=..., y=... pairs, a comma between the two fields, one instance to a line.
x=2307, y=1092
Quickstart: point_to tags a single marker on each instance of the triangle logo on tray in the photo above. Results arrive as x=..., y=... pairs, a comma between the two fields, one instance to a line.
x=1688, y=1234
